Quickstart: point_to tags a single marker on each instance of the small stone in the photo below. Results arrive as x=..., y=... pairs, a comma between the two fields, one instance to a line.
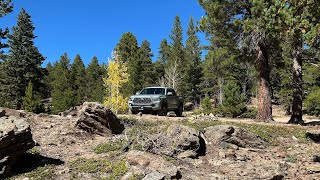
x=316, y=158
x=313, y=169
x=294, y=138
x=314, y=136
x=187, y=154
x=2, y=113
x=154, y=176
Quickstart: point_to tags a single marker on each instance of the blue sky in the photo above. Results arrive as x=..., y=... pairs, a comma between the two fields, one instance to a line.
x=93, y=28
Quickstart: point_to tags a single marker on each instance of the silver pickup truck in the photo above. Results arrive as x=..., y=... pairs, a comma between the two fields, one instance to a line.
x=157, y=100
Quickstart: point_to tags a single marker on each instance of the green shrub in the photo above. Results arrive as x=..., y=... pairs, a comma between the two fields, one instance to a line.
x=90, y=165
x=206, y=105
x=103, y=169
x=110, y=146
x=250, y=112
x=40, y=173
x=312, y=103
x=234, y=102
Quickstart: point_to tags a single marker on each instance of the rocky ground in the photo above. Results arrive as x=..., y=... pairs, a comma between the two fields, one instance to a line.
x=153, y=147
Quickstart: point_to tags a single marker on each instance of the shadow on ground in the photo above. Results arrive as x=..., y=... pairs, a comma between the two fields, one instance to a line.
x=30, y=162
x=312, y=123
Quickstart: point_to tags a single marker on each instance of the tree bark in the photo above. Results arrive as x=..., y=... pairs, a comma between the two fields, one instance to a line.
x=296, y=116
x=264, y=96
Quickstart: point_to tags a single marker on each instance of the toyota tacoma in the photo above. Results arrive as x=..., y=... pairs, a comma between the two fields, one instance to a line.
x=157, y=100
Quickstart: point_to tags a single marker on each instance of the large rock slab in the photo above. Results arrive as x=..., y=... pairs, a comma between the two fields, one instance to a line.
x=176, y=141
x=152, y=163
x=12, y=112
x=231, y=136
x=98, y=119
x=15, y=140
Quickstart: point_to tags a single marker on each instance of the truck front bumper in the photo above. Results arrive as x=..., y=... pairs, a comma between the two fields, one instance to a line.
x=154, y=106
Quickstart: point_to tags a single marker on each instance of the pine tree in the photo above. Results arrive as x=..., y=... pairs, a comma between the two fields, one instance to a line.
x=117, y=77
x=95, y=88
x=30, y=102
x=177, y=54
x=193, y=57
x=146, y=65
x=244, y=25
x=300, y=22
x=234, y=101
x=78, y=80
x=160, y=64
x=23, y=64
x=127, y=50
x=48, y=79
x=206, y=104
x=62, y=94
x=5, y=7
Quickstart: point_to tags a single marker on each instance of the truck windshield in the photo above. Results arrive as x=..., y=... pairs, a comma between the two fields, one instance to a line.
x=153, y=91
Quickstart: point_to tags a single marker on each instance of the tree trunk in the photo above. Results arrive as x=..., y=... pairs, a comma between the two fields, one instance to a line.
x=296, y=116
x=220, y=82
x=264, y=97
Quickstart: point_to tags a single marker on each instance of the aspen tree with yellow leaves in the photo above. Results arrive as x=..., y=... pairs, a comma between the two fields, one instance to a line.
x=117, y=77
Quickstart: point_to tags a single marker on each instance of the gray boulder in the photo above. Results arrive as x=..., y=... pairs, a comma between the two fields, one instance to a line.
x=189, y=106
x=151, y=163
x=98, y=119
x=15, y=140
x=176, y=141
x=230, y=136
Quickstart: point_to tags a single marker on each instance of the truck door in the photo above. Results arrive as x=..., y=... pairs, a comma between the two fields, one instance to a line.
x=171, y=99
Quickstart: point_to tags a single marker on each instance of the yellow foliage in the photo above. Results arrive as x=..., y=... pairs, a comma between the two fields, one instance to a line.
x=117, y=77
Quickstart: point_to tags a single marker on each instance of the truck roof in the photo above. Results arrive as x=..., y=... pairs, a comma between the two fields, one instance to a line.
x=157, y=87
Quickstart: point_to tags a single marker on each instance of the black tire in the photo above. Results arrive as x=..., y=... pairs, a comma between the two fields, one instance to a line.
x=134, y=112
x=179, y=111
x=163, y=111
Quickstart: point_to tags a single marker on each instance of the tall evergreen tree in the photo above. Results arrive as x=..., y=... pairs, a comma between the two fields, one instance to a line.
x=217, y=72
x=78, y=80
x=162, y=60
x=48, y=79
x=244, y=23
x=95, y=89
x=23, y=64
x=193, y=57
x=5, y=7
x=62, y=94
x=300, y=22
x=145, y=55
x=177, y=54
x=127, y=49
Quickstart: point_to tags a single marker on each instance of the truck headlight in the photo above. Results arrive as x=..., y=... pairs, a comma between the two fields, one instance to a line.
x=156, y=99
x=130, y=98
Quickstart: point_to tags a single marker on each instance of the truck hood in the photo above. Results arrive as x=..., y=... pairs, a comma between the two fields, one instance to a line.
x=146, y=96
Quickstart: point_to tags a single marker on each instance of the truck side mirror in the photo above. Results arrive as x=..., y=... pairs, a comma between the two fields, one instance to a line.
x=169, y=94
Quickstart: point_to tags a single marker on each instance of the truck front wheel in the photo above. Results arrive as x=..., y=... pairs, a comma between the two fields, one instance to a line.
x=134, y=112
x=163, y=110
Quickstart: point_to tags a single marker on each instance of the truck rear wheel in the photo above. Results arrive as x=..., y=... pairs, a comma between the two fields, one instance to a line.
x=179, y=111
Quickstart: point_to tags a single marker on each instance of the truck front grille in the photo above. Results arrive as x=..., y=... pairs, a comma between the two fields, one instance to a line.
x=142, y=100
